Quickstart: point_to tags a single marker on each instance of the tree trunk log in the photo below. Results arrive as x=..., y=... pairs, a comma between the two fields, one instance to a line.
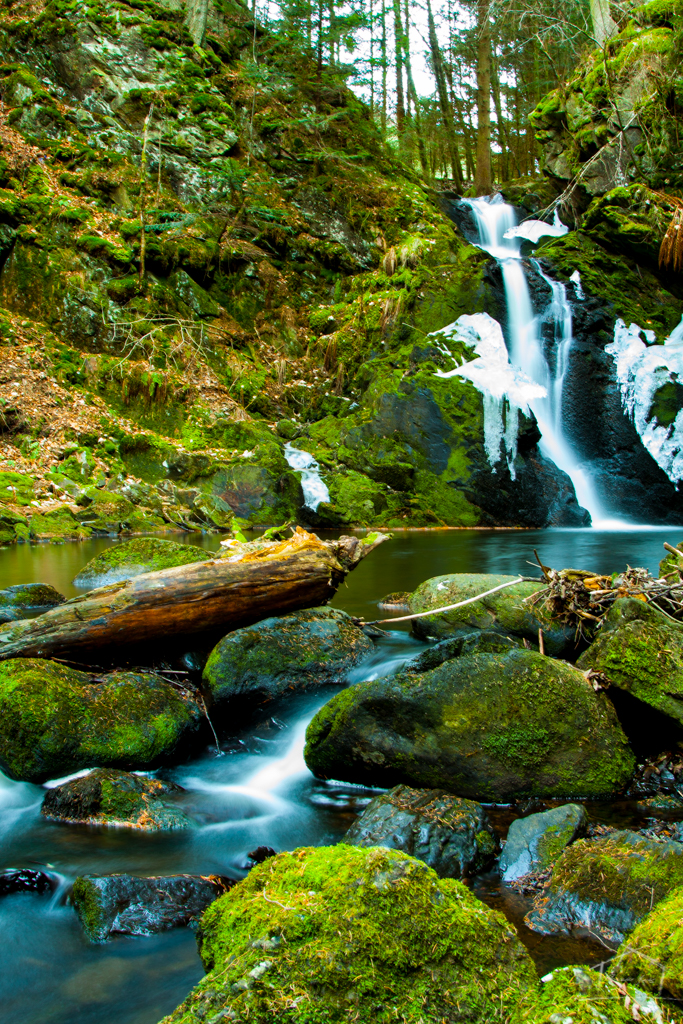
x=257, y=581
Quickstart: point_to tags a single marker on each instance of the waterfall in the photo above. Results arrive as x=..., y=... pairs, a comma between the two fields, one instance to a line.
x=501, y=236
x=312, y=484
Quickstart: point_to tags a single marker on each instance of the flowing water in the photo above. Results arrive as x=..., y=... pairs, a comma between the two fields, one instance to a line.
x=312, y=484
x=258, y=793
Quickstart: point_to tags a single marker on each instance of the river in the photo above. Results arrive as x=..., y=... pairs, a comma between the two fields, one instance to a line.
x=259, y=792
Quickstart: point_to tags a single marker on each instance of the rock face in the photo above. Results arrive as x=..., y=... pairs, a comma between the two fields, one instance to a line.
x=56, y=720
x=135, y=557
x=505, y=612
x=640, y=651
x=652, y=956
x=534, y=843
x=451, y=835
x=124, y=904
x=584, y=996
x=607, y=885
x=27, y=598
x=110, y=797
x=409, y=939
x=484, y=726
x=284, y=654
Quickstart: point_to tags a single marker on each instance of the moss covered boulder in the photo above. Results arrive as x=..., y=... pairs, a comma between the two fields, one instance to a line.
x=652, y=956
x=535, y=842
x=484, y=726
x=283, y=655
x=107, y=796
x=607, y=885
x=506, y=612
x=55, y=720
x=341, y=933
x=640, y=651
x=135, y=557
x=451, y=835
x=27, y=599
x=584, y=996
x=56, y=526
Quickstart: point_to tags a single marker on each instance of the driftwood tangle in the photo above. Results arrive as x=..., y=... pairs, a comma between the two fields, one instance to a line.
x=250, y=582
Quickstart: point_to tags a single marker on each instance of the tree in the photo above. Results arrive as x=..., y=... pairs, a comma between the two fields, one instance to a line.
x=483, y=183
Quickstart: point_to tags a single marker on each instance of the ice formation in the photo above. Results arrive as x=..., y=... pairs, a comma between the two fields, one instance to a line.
x=575, y=279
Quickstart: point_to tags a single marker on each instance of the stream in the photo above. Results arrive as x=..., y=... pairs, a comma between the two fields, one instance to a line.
x=259, y=792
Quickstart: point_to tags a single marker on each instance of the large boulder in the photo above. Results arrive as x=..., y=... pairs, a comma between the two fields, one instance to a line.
x=283, y=655
x=640, y=651
x=451, y=835
x=581, y=995
x=26, y=599
x=607, y=885
x=56, y=720
x=125, y=904
x=652, y=955
x=490, y=727
x=534, y=843
x=107, y=796
x=135, y=557
x=340, y=933
x=508, y=611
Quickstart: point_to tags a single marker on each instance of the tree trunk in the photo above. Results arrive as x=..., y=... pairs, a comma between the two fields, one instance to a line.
x=604, y=27
x=483, y=184
x=444, y=102
x=398, y=46
x=196, y=16
x=259, y=581
x=412, y=92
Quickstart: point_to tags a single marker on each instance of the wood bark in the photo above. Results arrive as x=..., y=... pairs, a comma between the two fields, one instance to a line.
x=444, y=101
x=483, y=184
x=196, y=17
x=270, y=579
x=604, y=26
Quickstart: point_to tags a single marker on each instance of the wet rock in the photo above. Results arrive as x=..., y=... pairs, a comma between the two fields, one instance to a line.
x=504, y=612
x=483, y=641
x=56, y=720
x=662, y=803
x=110, y=797
x=135, y=557
x=25, y=880
x=260, y=854
x=409, y=939
x=652, y=956
x=607, y=885
x=534, y=843
x=451, y=835
x=491, y=727
x=585, y=996
x=56, y=526
x=125, y=904
x=396, y=602
x=26, y=599
x=284, y=654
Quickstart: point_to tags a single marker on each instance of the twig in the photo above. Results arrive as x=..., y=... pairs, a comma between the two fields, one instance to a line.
x=541, y=642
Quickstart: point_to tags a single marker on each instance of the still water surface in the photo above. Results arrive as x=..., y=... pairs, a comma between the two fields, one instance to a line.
x=258, y=793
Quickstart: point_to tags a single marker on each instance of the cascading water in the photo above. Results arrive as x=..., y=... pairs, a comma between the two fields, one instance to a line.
x=314, y=487
x=501, y=236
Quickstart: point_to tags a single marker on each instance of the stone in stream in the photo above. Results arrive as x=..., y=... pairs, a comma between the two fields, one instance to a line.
x=107, y=796
x=652, y=955
x=284, y=655
x=607, y=885
x=481, y=641
x=27, y=598
x=581, y=995
x=534, y=843
x=25, y=880
x=640, y=651
x=491, y=727
x=125, y=904
x=56, y=720
x=505, y=612
x=352, y=933
x=451, y=835
x=131, y=558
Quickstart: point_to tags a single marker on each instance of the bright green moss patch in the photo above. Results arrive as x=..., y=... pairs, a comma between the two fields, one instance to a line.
x=652, y=956
x=584, y=996
x=134, y=557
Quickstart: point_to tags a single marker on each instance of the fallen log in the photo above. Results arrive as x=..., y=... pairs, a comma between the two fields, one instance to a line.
x=250, y=582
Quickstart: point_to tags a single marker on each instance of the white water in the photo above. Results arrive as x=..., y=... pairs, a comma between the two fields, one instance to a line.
x=314, y=487
x=500, y=236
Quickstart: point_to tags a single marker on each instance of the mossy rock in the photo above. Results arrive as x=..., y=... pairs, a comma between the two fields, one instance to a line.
x=671, y=563
x=640, y=651
x=79, y=467
x=284, y=655
x=56, y=526
x=505, y=612
x=652, y=956
x=338, y=933
x=27, y=598
x=13, y=526
x=607, y=885
x=584, y=996
x=489, y=727
x=110, y=797
x=132, y=558
x=56, y=720
x=105, y=512
x=534, y=843
x=16, y=488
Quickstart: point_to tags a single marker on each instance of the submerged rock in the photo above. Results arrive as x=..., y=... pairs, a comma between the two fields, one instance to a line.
x=607, y=885
x=451, y=835
x=128, y=905
x=25, y=880
x=652, y=956
x=283, y=655
x=354, y=933
x=135, y=557
x=110, y=797
x=56, y=720
x=27, y=598
x=483, y=726
x=534, y=843
x=505, y=612
x=584, y=996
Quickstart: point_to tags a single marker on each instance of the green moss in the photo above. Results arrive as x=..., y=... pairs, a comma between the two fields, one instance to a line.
x=56, y=526
x=652, y=956
x=134, y=557
x=584, y=996
x=16, y=488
